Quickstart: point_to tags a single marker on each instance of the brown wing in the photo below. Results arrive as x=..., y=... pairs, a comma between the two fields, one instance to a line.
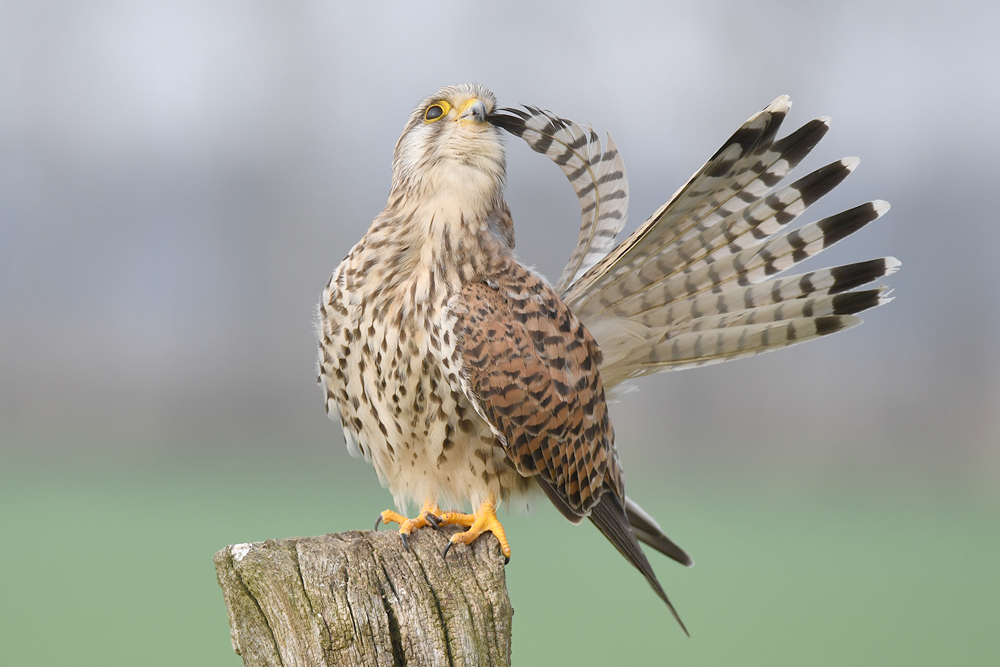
x=531, y=368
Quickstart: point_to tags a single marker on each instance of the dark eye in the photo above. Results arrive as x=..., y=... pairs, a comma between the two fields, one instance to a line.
x=434, y=112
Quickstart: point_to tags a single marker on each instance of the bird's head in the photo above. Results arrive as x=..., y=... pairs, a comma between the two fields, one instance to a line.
x=449, y=147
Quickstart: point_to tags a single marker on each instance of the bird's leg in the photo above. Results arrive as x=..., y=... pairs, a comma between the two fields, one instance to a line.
x=407, y=526
x=484, y=520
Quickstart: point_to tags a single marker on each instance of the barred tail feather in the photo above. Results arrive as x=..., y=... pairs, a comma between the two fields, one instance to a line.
x=740, y=323
x=848, y=303
x=708, y=347
x=747, y=267
x=597, y=175
x=702, y=348
x=783, y=289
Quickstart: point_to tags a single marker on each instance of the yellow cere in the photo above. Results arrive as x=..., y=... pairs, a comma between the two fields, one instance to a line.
x=466, y=104
x=436, y=111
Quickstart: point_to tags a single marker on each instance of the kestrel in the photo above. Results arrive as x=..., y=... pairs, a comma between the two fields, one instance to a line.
x=464, y=377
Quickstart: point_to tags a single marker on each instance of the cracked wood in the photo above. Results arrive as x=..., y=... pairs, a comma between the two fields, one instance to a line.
x=359, y=598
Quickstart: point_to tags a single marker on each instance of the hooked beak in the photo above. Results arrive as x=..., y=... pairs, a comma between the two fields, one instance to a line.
x=473, y=111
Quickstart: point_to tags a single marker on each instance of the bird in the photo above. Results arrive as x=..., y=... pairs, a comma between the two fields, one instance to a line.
x=467, y=379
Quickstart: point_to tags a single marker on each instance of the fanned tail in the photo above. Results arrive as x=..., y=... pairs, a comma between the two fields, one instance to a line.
x=698, y=282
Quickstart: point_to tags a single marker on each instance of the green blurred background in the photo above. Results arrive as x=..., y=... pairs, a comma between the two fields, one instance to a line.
x=108, y=560
x=179, y=178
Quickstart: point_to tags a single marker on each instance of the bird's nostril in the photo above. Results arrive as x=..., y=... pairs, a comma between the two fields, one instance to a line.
x=477, y=110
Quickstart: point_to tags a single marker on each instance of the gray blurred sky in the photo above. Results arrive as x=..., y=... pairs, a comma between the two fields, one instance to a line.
x=178, y=179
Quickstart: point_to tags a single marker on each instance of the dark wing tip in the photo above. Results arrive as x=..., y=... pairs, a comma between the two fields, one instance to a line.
x=648, y=531
x=610, y=518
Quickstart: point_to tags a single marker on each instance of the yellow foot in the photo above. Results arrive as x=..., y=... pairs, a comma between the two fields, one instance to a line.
x=483, y=521
x=427, y=517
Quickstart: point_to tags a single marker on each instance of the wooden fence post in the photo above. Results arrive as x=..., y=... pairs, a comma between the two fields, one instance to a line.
x=360, y=598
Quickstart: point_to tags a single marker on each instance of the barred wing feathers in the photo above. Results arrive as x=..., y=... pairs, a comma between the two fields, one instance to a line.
x=597, y=175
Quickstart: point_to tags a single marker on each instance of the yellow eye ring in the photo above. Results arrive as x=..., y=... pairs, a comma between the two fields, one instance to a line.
x=436, y=111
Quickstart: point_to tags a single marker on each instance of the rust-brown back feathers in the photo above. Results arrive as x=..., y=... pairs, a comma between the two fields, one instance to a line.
x=532, y=371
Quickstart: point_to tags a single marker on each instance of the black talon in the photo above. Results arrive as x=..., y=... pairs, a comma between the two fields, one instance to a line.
x=445, y=553
x=406, y=541
x=433, y=521
x=378, y=521
x=506, y=560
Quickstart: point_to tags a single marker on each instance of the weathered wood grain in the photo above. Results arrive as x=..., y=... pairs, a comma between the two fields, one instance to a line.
x=359, y=598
